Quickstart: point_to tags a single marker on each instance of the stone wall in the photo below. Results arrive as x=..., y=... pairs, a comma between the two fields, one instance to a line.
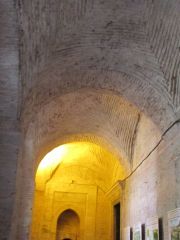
x=153, y=188
x=9, y=126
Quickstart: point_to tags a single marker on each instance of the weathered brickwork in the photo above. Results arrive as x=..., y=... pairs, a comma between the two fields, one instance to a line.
x=107, y=72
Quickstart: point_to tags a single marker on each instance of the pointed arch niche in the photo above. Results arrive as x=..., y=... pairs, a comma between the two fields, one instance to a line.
x=68, y=226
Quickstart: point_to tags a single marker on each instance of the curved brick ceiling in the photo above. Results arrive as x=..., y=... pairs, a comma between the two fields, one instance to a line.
x=94, y=116
x=68, y=44
x=73, y=48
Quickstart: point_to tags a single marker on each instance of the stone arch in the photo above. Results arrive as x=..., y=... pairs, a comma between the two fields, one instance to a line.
x=110, y=120
x=121, y=119
x=137, y=92
x=68, y=225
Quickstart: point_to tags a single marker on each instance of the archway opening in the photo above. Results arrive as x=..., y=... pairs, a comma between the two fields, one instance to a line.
x=68, y=226
x=82, y=176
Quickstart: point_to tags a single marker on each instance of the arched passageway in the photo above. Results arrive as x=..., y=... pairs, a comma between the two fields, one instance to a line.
x=107, y=71
x=82, y=176
x=81, y=162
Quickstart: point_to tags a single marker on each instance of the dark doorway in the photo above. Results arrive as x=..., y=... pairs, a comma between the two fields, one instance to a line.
x=117, y=221
x=68, y=226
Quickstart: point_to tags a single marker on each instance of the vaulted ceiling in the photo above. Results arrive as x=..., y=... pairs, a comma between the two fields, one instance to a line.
x=95, y=67
x=116, y=45
x=75, y=70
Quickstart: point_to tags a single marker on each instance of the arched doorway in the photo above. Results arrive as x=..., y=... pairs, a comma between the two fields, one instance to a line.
x=68, y=226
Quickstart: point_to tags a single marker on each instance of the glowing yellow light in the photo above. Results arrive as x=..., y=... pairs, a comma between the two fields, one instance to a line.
x=53, y=158
x=75, y=167
x=79, y=154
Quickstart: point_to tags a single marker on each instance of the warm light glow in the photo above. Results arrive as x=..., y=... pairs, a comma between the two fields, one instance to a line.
x=77, y=176
x=77, y=156
x=53, y=158
x=48, y=164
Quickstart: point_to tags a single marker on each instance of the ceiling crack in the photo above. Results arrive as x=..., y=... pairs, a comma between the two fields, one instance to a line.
x=157, y=145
